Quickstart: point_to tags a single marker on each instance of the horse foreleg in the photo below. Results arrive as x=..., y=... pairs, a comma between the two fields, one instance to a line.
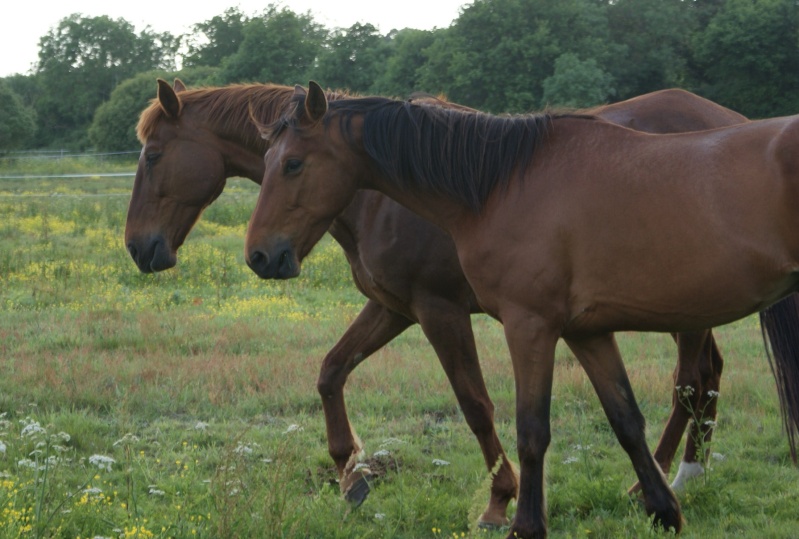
x=532, y=350
x=599, y=356
x=448, y=328
x=374, y=326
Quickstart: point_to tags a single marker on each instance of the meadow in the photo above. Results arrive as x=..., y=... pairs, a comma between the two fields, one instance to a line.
x=184, y=405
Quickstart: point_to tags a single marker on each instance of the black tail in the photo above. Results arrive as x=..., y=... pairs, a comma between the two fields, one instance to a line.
x=780, y=326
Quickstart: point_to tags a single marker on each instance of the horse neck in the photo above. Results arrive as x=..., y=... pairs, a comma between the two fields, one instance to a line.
x=242, y=149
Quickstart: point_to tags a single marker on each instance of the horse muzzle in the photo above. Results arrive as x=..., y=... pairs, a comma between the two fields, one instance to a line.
x=276, y=263
x=152, y=255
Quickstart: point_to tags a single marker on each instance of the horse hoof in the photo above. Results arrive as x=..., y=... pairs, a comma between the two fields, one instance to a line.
x=359, y=489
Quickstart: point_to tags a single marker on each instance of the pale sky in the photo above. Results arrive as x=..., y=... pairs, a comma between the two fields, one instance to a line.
x=24, y=22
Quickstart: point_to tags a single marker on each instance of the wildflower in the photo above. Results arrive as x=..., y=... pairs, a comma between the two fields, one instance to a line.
x=293, y=428
x=570, y=460
x=32, y=428
x=439, y=462
x=379, y=516
x=101, y=461
x=718, y=456
x=382, y=453
x=2, y=447
x=156, y=492
x=713, y=394
x=201, y=425
x=710, y=423
x=243, y=449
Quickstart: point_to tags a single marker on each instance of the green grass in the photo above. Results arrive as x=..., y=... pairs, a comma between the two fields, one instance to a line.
x=199, y=383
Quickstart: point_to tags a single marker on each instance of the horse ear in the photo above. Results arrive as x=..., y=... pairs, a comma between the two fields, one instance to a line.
x=169, y=100
x=315, y=102
x=178, y=85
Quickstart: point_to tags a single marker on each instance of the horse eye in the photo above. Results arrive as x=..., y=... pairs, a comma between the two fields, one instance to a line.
x=292, y=166
x=151, y=158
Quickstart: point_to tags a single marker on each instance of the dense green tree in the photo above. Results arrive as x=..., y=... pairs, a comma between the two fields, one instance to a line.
x=406, y=58
x=212, y=41
x=81, y=61
x=749, y=55
x=279, y=46
x=497, y=54
x=655, y=35
x=17, y=121
x=577, y=83
x=352, y=58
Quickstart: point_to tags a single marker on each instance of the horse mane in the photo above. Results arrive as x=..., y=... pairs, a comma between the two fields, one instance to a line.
x=228, y=108
x=460, y=153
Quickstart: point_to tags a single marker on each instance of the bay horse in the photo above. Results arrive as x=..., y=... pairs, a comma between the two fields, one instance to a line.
x=193, y=139
x=565, y=227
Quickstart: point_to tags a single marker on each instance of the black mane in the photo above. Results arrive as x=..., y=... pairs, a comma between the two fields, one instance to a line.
x=455, y=152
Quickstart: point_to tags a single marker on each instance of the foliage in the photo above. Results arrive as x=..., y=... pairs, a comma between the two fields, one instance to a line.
x=749, y=53
x=654, y=36
x=577, y=83
x=401, y=74
x=17, y=121
x=352, y=58
x=498, y=56
x=215, y=39
x=81, y=61
x=279, y=46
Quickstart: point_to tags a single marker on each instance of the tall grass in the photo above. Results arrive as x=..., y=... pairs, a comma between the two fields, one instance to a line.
x=183, y=404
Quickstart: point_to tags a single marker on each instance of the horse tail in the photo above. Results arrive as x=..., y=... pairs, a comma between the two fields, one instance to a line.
x=780, y=327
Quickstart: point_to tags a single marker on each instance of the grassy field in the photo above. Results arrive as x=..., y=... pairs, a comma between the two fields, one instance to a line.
x=183, y=404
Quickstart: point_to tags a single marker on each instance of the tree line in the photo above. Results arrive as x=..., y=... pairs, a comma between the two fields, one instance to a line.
x=95, y=74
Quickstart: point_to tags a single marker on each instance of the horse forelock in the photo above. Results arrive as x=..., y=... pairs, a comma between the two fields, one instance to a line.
x=451, y=151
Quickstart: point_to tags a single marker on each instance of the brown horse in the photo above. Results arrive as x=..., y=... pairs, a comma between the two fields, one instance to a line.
x=565, y=227
x=193, y=140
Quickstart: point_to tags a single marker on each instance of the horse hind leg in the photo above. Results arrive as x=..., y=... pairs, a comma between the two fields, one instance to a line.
x=702, y=405
x=448, y=328
x=696, y=384
x=374, y=326
x=602, y=362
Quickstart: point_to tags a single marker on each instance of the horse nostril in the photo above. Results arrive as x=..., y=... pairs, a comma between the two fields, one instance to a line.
x=132, y=250
x=258, y=259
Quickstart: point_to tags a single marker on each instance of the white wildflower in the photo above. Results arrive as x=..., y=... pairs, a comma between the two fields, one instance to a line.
x=710, y=423
x=382, y=453
x=570, y=460
x=201, y=425
x=101, y=461
x=2, y=447
x=379, y=516
x=713, y=394
x=293, y=428
x=32, y=428
x=360, y=466
x=718, y=456
x=156, y=492
x=439, y=462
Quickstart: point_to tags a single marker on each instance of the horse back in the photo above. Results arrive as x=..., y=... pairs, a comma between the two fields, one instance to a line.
x=669, y=111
